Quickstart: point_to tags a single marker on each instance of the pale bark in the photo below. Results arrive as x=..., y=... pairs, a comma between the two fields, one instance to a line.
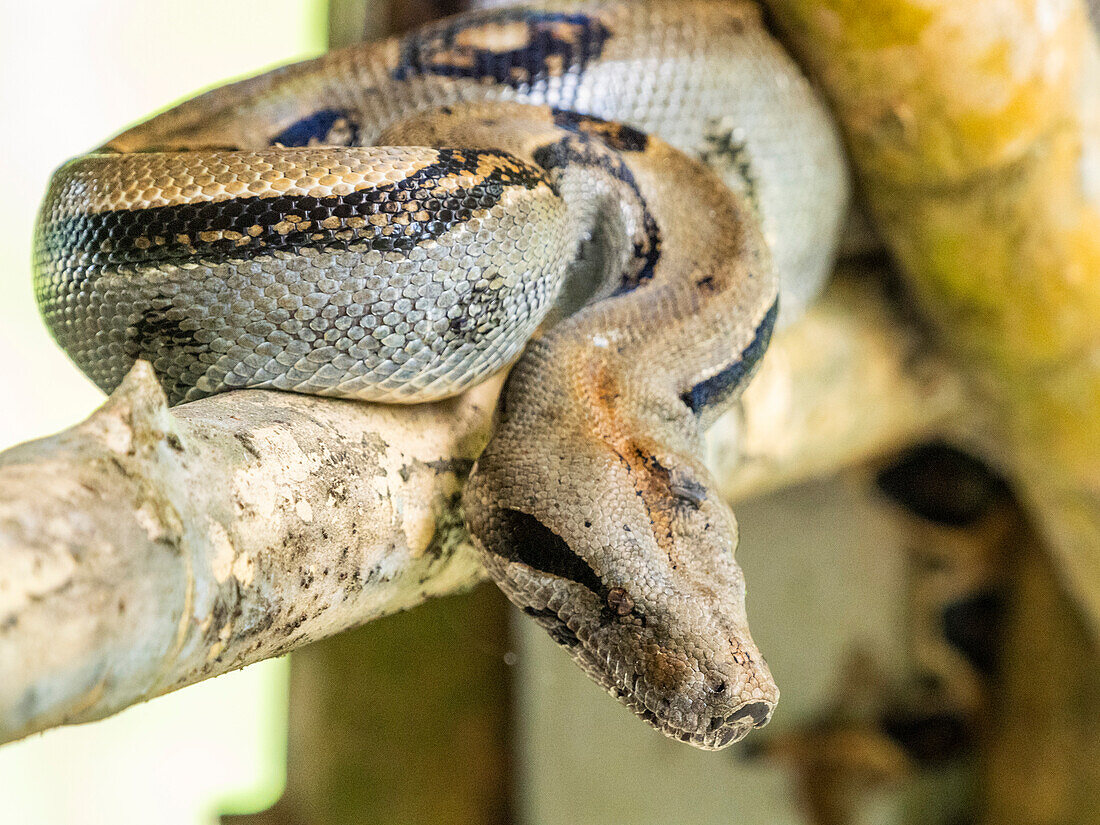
x=146, y=549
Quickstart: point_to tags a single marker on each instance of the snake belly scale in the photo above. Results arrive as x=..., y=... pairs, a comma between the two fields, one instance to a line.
x=396, y=221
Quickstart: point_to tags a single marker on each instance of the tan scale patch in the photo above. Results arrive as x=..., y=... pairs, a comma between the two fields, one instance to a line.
x=115, y=182
x=494, y=37
x=651, y=480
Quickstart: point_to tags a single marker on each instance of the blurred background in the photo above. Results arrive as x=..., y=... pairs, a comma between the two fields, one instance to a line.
x=882, y=600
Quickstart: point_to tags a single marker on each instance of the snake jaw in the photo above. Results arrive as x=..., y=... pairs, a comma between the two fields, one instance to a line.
x=691, y=671
x=696, y=717
x=708, y=730
x=711, y=733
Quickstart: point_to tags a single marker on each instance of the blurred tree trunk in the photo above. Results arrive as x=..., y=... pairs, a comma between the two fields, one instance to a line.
x=1043, y=757
x=404, y=720
x=353, y=21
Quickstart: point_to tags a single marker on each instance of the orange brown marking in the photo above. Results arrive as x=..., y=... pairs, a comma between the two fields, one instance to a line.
x=663, y=671
x=650, y=478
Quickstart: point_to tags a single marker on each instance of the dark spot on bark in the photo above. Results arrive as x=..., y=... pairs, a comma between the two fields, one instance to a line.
x=973, y=627
x=339, y=493
x=245, y=440
x=928, y=737
x=119, y=466
x=943, y=485
x=262, y=622
x=226, y=609
x=305, y=578
x=459, y=467
x=293, y=624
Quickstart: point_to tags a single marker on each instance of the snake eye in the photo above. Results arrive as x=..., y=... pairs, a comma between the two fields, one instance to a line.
x=687, y=489
x=523, y=538
x=619, y=601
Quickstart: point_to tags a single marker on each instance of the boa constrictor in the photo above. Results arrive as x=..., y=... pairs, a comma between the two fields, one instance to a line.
x=394, y=222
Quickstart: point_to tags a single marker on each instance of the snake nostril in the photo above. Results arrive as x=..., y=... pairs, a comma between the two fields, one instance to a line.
x=759, y=712
x=721, y=687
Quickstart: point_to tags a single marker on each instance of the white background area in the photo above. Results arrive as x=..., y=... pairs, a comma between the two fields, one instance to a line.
x=72, y=74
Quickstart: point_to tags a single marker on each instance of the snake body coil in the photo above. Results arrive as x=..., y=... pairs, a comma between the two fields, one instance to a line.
x=393, y=221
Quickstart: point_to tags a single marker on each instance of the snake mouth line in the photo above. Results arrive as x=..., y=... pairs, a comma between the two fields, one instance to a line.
x=719, y=732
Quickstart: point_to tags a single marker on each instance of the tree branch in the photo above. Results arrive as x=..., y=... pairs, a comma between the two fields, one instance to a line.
x=996, y=226
x=146, y=549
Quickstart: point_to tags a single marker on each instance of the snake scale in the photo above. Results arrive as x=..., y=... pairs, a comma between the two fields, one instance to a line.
x=613, y=193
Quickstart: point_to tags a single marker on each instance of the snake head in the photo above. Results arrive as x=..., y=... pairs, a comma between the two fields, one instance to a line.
x=625, y=556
